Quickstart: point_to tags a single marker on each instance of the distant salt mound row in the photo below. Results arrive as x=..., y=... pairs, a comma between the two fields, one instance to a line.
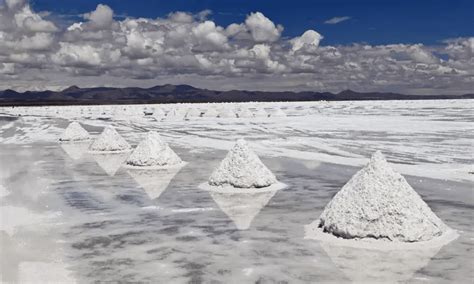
x=74, y=133
x=242, y=168
x=378, y=203
x=153, y=152
x=110, y=141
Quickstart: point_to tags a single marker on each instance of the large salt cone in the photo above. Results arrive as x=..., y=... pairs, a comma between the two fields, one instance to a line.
x=153, y=152
x=110, y=163
x=154, y=182
x=378, y=203
x=363, y=265
x=242, y=208
x=242, y=168
x=74, y=133
x=110, y=141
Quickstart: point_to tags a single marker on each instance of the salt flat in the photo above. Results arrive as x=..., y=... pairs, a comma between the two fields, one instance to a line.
x=83, y=218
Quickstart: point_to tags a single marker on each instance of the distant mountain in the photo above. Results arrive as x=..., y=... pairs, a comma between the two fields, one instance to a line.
x=187, y=94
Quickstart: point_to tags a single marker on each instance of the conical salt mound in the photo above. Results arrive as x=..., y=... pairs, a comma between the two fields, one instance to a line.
x=193, y=112
x=110, y=141
x=153, y=152
x=261, y=113
x=211, y=112
x=244, y=113
x=378, y=203
x=242, y=208
x=226, y=113
x=74, y=133
x=243, y=169
x=278, y=113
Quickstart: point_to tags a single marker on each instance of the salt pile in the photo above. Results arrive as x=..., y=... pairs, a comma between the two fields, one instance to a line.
x=242, y=168
x=74, y=133
x=153, y=152
x=260, y=113
x=211, y=112
x=110, y=141
x=244, y=113
x=278, y=113
x=193, y=112
x=378, y=203
x=226, y=113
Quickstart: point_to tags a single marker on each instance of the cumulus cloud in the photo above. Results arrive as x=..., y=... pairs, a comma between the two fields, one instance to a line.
x=309, y=38
x=262, y=28
x=190, y=48
x=101, y=17
x=337, y=20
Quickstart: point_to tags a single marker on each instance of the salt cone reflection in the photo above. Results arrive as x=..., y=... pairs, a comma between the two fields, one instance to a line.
x=110, y=163
x=154, y=182
x=363, y=265
x=75, y=150
x=242, y=208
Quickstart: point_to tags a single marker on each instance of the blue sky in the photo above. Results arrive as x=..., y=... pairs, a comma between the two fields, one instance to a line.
x=371, y=21
x=413, y=47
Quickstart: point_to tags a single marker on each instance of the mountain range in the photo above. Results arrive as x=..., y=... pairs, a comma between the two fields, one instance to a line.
x=188, y=94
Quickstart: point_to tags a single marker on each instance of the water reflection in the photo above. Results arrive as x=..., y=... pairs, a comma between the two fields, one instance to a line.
x=110, y=163
x=378, y=266
x=75, y=150
x=242, y=208
x=154, y=182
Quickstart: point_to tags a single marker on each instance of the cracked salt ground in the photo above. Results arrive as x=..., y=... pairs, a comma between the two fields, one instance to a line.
x=128, y=229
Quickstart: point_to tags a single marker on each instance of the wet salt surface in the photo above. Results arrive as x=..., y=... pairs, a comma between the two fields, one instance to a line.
x=87, y=224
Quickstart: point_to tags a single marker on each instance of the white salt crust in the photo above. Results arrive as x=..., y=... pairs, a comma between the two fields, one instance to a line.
x=154, y=153
x=378, y=205
x=242, y=168
x=110, y=141
x=74, y=133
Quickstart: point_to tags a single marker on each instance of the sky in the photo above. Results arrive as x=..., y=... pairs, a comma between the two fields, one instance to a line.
x=415, y=47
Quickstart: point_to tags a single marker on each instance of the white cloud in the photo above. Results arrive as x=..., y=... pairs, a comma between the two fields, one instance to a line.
x=262, y=28
x=337, y=20
x=101, y=17
x=310, y=38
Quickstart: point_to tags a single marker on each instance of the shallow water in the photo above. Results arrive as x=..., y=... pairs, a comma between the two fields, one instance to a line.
x=79, y=217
